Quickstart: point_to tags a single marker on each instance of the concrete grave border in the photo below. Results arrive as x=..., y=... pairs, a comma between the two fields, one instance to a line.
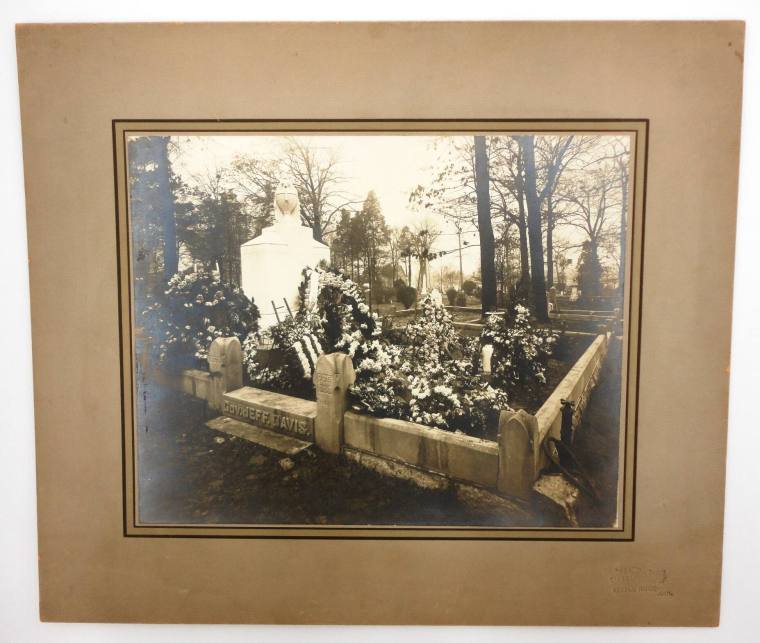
x=425, y=455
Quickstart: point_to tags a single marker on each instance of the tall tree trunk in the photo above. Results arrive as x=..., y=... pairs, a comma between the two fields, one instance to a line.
x=166, y=207
x=507, y=268
x=485, y=229
x=623, y=231
x=538, y=282
x=522, y=228
x=549, y=243
x=316, y=228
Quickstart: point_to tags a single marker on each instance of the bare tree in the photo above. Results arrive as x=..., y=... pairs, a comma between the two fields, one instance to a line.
x=621, y=162
x=507, y=183
x=532, y=200
x=255, y=180
x=319, y=183
x=485, y=228
x=594, y=196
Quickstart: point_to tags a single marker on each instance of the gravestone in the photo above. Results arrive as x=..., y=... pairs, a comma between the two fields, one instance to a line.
x=333, y=374
x=517, y=461
x=553, y=307
x=225, y=363
x=486, y=353
x=271, y=263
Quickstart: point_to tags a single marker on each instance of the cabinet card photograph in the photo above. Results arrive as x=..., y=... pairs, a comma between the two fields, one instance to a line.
x=381, y=323
x=415, y=329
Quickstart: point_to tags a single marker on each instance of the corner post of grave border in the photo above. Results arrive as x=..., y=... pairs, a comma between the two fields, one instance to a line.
x=225, y=363
x=333, y=375
x=518, y=437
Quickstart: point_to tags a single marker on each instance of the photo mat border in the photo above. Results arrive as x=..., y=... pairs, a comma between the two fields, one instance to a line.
x=638, y=127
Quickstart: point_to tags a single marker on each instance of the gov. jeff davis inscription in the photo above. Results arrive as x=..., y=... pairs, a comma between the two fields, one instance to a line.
x=261, y=408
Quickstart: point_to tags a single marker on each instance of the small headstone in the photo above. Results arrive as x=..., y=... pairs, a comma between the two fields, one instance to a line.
x=486, y=353
x=517, y=466
x=333, y=375
x=225, y=358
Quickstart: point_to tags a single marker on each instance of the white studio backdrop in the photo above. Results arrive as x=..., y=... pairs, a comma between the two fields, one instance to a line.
x=18, y=551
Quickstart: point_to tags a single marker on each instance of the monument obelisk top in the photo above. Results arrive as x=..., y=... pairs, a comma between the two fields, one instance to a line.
x=287, y=206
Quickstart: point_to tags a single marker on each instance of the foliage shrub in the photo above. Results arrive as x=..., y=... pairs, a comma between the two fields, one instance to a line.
x=461, y=299
x=196, y=308
x=451, y=295
x=445, y=390
x=589, y=272
x=349, y=327
x=407, y=296
x=469, y=287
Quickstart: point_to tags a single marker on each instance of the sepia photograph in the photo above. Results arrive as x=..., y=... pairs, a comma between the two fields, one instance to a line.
x=379, y=324
x=405, y=329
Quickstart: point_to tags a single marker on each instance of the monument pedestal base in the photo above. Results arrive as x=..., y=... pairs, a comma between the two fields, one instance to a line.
x=271, y=266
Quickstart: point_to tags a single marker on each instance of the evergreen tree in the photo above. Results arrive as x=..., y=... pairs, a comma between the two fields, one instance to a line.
x=589, y=271
x=215, y=227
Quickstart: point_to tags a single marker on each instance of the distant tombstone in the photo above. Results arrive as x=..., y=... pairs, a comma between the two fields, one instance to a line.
x=486, y=353
x=553, y=300
x=436, y=297
x=333, y=375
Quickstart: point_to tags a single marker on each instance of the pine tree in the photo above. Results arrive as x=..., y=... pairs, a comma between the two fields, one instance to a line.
x=589, y=271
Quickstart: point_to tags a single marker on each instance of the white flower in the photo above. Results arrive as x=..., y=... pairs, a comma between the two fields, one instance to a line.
x=304, y=362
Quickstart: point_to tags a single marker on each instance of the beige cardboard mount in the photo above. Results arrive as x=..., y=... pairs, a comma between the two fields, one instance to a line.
x=682, y=80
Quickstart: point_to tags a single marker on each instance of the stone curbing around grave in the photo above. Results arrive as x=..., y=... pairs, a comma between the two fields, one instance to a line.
x=454, y=455
x=575, y=386
x=509, y=466
x=522, y=435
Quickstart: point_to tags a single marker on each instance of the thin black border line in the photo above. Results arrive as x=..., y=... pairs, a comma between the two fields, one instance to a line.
x=628, y=347
x=639, y=329
x=379, y=120
x=114, y=122
x=121, y=332
x=346, y=527
x=402, y=528
x=128, y=239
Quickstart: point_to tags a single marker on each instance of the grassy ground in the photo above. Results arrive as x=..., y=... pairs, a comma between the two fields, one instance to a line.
x=191, y=474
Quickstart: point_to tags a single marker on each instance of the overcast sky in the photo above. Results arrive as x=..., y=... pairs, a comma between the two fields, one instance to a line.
x=392, y=166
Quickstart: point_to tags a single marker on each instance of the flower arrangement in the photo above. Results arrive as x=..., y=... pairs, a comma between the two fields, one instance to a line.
x=446, y=392
x=429, y=377
x=195, y=308
x=298, y=341
x=349, y=327
x=519, y=350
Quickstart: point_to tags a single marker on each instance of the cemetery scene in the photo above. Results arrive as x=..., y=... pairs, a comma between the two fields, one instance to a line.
x=379, y=329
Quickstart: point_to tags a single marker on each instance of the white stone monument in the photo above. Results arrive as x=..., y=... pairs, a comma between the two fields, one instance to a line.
x=271, y=263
